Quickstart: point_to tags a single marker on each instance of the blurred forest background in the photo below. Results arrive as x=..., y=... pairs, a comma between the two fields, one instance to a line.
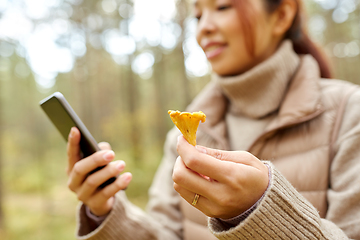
x=121, y=64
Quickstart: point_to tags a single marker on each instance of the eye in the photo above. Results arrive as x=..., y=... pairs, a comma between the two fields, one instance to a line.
x=223, y=7
x=197, y=14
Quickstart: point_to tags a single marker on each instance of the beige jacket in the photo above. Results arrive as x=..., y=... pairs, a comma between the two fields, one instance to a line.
x=312, y=145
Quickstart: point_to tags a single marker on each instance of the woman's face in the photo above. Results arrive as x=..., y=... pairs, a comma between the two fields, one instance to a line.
x=220, y=34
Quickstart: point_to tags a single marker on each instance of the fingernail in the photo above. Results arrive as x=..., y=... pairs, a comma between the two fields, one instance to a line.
x=108, y=156
x=72, y=132
x=201, y=149
x=120, y=165
x=178, y=138
x=127, y=177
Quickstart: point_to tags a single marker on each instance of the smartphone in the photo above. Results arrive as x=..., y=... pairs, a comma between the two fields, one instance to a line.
x=62, y=115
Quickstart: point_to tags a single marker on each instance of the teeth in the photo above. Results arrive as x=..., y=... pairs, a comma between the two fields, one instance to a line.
x=212, y=48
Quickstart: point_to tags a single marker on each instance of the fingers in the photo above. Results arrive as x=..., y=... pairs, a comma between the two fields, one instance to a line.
x=237, y=179
x=104, y=197
x=82, y=168
x=209, y=158
x=100, y=201
x=104, y=146
x=242, y=157
x=202, y=163
x=189, y=179
x=189, y=196
x=73, y=149
x=93, y=181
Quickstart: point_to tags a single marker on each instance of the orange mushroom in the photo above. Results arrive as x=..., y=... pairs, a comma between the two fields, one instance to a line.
x=187, y=123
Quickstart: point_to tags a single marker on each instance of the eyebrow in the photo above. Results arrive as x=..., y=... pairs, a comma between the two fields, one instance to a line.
x=196, y=3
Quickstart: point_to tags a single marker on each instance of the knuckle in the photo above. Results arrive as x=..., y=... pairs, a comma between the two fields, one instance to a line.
x=119, y=185
x=219, y=155
x=192, y=162
x=179, y=190
x=232, y=173
x=98, y=158
x=106, y=194
x=77, y=169
x=221, y=201
x=70, y=185
x=176, y=187
x=224, y=200
x=80, y=197
x=113, y=170
x=91, y=182
x=177, y=176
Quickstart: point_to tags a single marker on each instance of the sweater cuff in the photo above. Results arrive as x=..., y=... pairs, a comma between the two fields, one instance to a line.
x=238, y=219
x=96, y=219
x=88, y=229
x=283, y=213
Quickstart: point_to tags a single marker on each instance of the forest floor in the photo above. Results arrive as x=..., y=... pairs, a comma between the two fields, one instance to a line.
x=43, y=217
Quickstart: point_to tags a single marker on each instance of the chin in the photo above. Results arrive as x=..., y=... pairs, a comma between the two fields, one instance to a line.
x=226, y=72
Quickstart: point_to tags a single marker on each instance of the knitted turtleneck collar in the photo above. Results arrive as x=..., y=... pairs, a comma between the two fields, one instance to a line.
x=259, y=91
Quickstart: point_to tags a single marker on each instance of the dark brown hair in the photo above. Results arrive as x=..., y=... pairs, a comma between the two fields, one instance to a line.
x=297, y=33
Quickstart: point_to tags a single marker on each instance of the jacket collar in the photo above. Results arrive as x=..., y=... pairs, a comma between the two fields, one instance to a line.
x=259, y=91
x=302, y=100
x=301, y=103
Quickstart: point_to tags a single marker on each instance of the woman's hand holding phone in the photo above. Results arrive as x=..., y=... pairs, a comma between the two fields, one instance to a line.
x=85, y=186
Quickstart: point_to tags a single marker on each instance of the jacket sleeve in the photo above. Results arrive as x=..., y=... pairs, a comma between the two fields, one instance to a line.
x=285, y=214
x=282, y=214
x=161, y=221
x=344, y=191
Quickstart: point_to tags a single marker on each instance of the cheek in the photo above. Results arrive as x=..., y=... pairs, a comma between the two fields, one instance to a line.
x=264, y=41
x=237, y=59
x=230, y=26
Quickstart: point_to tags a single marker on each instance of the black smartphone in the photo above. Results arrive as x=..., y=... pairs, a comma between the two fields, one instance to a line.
x=64, y=118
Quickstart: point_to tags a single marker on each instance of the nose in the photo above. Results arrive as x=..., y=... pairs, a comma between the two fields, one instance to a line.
x=206, y=24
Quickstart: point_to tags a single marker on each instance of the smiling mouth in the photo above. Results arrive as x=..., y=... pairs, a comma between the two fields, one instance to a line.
x=214, y=51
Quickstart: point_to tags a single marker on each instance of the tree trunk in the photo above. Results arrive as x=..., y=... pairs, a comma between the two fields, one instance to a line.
x=132, y=100
x=182, y=15
x=132, y=97
x=160, y=99
x=2, y=221
x=1, y=196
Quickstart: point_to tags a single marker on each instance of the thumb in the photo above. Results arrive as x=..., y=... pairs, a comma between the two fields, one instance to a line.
x=104, y=146
x=241, y=157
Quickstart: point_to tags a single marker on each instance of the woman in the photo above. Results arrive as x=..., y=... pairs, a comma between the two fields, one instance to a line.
x=266, y=101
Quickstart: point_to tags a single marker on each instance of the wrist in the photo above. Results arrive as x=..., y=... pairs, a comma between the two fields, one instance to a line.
x=97, y=219
x=104, y=209
x=241, y=217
